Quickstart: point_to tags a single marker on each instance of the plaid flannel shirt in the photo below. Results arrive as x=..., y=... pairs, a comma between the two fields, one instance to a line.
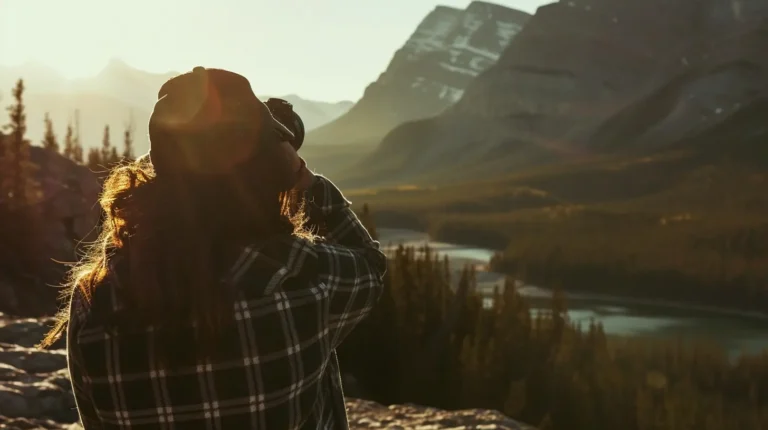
x=296, y=301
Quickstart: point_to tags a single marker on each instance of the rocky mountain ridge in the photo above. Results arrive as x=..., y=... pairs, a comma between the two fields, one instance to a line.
x=35, y=392
x=448, y=49
x=586, y=76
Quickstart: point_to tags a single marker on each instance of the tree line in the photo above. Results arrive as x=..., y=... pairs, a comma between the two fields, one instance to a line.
x=21, y=192
x=431, y=341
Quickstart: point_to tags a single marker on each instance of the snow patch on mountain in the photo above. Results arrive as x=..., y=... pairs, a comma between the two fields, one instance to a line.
x=466, y=42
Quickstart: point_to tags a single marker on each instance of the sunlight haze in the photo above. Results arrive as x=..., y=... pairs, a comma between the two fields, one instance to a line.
x=329, y=50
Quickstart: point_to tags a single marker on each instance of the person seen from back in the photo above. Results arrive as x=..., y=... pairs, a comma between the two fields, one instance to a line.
x=225, y=276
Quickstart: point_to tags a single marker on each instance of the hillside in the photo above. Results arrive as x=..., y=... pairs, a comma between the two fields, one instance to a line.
x=589, y=77
x=686, y=223
x=117, y=96
x=448, y=49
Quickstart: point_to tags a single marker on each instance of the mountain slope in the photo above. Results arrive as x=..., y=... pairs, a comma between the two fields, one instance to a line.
x=585, y=77
x=429, y=73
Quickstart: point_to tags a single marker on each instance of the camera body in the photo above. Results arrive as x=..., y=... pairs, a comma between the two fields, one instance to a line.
x=283, y=111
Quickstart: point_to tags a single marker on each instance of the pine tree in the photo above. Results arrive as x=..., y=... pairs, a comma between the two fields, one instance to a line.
x=19, y=193
x=106, y=146
x=49, y=138
x=128, y=153
x=78, y=154
x=94, y=159
x=18, y=184
x=367, y=219
x=69, y=143
x=114, y=157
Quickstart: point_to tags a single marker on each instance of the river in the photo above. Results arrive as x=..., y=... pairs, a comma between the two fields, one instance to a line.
x=736, y=331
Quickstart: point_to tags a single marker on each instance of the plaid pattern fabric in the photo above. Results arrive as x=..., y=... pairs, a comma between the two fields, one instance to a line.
x=296, y=301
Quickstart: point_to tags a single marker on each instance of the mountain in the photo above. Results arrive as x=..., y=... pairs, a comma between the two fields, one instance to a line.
x=429, y=73
x=117, y=95
x=589, y=76
x=316, y=113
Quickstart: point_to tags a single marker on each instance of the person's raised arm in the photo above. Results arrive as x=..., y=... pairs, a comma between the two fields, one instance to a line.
x=350, y=264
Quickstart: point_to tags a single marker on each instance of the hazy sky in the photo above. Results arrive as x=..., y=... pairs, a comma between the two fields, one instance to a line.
x=320, y=49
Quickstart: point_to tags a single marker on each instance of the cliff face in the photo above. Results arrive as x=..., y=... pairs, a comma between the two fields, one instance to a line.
x=429, y=73
x=585, y=75
x=35, y=392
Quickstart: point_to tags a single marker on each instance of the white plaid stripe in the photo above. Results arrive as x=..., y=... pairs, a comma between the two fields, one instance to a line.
x=157, y=378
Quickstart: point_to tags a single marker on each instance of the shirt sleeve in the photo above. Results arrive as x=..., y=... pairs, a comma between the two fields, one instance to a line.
x=85, y=406
x=349, y=262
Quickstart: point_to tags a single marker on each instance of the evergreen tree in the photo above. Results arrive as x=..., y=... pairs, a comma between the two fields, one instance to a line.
x=114, y=157
x=49, y=138
x=367, y=219
x=106, y=146
x=19, y=193
x=18, y=183
x=78, y=153
x=94, y=159
x=128, y=153
x=69, y=143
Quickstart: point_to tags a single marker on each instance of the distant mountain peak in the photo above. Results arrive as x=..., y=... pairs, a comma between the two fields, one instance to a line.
x=117, y=63
x=446, y=51
x=118, y=67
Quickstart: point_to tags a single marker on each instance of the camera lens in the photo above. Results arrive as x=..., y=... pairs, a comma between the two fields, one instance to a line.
x=283, y=111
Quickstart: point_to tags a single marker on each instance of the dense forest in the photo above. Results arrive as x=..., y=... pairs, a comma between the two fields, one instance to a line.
x=431, y=344
x=679, y=225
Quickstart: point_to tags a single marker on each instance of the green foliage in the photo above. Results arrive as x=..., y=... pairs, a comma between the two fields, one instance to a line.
x=367, y=219
x=18, y=187
x=49, y=138
x=95, y=162
x=20, y=194
x=78, y=153
x=674, y=226
x=128, y=143
x=431, y=344
x=710, y=261
x=69, y=143
x=108, y=152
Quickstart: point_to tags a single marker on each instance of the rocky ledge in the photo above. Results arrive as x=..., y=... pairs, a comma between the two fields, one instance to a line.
x=35, y=392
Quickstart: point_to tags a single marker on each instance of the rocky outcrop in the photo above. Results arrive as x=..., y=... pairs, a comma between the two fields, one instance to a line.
x=35, y=392
x=368, y=415
x=69, y=212
x=591, y=75
x=429, y=73
x=69, y=202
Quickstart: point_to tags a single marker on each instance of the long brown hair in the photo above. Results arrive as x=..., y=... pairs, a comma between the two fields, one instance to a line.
x=171, y=233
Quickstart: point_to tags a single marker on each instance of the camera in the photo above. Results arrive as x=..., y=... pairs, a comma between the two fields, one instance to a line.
x=283, y=111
